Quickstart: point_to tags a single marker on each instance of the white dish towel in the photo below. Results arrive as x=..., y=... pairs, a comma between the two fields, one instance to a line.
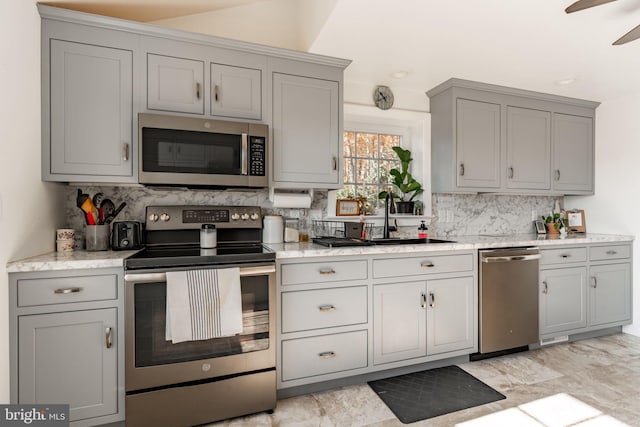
x=203, y=304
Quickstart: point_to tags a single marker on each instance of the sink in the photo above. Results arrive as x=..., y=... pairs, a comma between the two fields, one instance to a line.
x=407, y=241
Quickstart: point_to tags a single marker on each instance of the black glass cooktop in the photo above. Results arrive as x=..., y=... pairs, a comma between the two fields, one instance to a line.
x=189, y=256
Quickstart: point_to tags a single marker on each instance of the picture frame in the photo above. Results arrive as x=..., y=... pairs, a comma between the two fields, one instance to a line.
x=540, y=228
x=347, y=207
x=575, y=221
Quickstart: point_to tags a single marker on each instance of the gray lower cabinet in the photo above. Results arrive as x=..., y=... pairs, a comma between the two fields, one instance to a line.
x=67, y=344
x=87, y=127
x=584, y=289
x=175, y=84
x=488, y=138
x=307, y=131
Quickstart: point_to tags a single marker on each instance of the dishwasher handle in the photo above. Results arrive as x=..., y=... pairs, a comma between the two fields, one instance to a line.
x=510, y=258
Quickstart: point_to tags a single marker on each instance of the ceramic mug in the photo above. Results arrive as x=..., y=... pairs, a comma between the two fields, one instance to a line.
x=65, y=234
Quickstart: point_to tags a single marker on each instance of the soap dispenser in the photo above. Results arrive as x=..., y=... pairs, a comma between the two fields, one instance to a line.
x=422, y=231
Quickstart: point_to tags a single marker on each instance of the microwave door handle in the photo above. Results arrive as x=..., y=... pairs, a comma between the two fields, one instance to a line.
x=244, y=155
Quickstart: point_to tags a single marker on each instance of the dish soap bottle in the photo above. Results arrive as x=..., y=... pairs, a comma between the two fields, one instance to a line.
x=422, y=231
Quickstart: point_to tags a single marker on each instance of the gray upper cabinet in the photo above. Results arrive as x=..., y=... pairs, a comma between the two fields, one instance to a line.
x=90, y=116
x=488, y=138
x=175, y=84
x=573, y=161
x=307, y=131
x=528, y=148
x=237, y=91
x=478, y=144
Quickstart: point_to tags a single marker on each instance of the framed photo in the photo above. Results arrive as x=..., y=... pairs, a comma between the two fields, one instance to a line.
x=540, y=228
x=575, y=221
x=347, y=207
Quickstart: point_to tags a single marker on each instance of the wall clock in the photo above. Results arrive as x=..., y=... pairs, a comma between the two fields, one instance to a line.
x=383, y=97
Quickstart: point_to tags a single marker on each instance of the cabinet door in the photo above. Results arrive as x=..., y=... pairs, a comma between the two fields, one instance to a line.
x=528, y=149
x=237, y=92
x=450, y=314
x=175, y=84
x=572, y=153
x=69, y=358
x=399, y=321
x=306, y=130
x=91, y=110
x=610, y=294
x=478, y=144
x=563, y=299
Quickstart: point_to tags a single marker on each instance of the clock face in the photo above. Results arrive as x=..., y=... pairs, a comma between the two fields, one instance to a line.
x=383, y=97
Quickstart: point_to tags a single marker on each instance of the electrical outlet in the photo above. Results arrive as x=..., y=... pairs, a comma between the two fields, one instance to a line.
x=449, y=215
x=534, y=216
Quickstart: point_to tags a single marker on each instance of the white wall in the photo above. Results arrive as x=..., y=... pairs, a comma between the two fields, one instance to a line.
x=616, y=205
x=29, y=209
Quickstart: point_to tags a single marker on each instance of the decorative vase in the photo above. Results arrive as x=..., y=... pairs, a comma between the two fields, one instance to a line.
x=551, y=229
x=405, y=207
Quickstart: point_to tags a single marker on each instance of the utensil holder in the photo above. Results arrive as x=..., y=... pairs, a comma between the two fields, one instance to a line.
x=97, y=237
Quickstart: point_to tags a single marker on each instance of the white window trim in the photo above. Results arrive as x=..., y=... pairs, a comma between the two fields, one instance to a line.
x=415, y=128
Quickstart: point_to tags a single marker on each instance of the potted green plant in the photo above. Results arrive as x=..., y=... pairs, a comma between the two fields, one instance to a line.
x=408, y=187
x=555, y=222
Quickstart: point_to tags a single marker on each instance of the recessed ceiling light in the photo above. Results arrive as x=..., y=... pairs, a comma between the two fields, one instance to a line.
x=400, y=74
x=564, y=82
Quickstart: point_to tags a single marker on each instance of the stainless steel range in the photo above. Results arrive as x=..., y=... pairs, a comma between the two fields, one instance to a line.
x=197, y=382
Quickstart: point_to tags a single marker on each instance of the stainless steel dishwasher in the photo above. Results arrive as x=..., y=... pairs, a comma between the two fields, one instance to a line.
x=508, y=298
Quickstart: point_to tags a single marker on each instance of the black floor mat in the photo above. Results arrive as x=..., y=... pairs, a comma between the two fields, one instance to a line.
x=427, y=394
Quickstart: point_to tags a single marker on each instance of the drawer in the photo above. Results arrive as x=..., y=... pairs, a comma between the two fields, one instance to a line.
x=601, y=253
x=563, y=256
x=62, y=290
x=325, y=354
x=395, y=267
x=317, y=272
x=323, y=308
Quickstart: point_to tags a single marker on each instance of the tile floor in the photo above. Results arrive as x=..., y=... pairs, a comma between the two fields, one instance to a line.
x=589, y=383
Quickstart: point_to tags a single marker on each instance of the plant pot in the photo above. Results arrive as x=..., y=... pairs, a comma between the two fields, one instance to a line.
x=551, y=229
x=404, y=207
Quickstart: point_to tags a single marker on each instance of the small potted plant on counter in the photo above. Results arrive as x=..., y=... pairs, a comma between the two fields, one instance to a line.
x=408, y=187
x=555, y=222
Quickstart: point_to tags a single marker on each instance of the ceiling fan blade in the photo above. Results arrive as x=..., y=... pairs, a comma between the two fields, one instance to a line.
x=585, y=4
x=629, y=37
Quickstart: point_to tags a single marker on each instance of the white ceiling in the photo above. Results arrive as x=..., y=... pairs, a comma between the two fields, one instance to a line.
x=529, y=44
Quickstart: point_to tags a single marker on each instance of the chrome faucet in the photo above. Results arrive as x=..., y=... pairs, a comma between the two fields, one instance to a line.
x=388, y=228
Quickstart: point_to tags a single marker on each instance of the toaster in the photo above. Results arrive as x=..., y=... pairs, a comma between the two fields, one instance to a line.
x=126, y=235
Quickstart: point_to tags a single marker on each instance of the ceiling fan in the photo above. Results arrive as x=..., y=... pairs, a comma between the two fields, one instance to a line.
x=585, y=4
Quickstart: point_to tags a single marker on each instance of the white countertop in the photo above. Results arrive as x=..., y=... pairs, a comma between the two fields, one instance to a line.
x=104, y=259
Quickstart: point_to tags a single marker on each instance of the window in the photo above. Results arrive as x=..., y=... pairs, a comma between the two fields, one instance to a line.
x=368, y=157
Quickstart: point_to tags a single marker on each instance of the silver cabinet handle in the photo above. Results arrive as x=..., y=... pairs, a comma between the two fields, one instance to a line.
x=557, y=174
x=427, y=264
x=612, y=252
x=594, y=282
x=67, y=290
x=510, y=171
x=510, y=258
x=432, y=299
x=546, y=288
x=216, y=95
x=335, y=163
x=198, y=90
x=245, y=154
x=461, y=169
x=125, y=151
x=327, y=271
x=423, y=300
x=328, y=307
x=327, y=355
x=108, y=341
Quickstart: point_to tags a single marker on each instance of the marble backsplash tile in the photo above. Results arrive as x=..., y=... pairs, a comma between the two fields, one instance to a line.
x=453, y=214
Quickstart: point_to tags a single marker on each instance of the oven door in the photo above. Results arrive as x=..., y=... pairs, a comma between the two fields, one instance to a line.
x=151, y=361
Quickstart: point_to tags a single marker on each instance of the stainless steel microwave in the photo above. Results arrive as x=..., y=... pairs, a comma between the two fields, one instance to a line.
x=196, y=152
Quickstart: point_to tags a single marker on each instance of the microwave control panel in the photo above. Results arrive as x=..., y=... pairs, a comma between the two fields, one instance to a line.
x=257, y=156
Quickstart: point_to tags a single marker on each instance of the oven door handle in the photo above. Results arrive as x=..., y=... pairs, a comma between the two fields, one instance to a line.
x=162, y=277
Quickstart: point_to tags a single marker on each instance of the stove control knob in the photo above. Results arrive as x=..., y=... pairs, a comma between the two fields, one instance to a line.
x=244, y=216
x=235, y=216
x=254, y=216
x=165, y=217
x=153, y=217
